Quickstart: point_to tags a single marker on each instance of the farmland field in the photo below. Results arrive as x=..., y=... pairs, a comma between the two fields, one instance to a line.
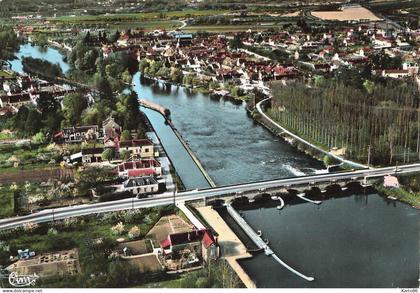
x=135, y=16
x=347, y=14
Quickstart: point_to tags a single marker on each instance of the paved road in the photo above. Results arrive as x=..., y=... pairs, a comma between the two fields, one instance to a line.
x=168, y=198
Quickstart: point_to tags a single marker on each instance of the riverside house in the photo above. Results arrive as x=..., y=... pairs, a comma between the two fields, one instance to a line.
x=142, y=148
x=195, y=246
x=140, y=185
x=143, y=167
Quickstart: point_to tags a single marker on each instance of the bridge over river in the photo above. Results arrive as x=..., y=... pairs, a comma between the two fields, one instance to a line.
x=200, y=194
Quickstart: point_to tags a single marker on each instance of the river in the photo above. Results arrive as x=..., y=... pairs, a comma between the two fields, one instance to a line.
x=360, y=241
x=356, y=241
x=51, y=54
x=230, y=145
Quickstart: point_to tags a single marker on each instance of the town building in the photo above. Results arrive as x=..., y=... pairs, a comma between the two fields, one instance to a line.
x=78, y=134
x=143, y=167
x=198, y=243
x=140, y=185
x=142, y=148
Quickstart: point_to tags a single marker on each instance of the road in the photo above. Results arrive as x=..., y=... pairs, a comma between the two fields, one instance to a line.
x=207, y=193
x=259, y=109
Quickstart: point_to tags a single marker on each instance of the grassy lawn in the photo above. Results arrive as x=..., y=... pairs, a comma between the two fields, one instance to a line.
x=29, y=157
x=7, y=203
x=147, y=25
x=28, y=167
x=5, y=136
x=5, y=74
x=401, y=194
x=175, y=283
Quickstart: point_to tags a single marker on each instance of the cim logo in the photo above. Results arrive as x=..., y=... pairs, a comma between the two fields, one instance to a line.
x=22, y=281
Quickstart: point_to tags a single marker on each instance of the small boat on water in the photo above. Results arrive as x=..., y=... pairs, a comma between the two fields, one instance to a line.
x=392, y=197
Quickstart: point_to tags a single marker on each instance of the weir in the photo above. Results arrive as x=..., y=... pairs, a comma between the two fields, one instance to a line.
x=260, y=242
x=302, y=196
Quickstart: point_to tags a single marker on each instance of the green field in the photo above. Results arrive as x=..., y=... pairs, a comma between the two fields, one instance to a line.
x=5, y=74
x=7, y=205
x=176, y=283
x=146, y=25
x=129, y=17
x=231, y=28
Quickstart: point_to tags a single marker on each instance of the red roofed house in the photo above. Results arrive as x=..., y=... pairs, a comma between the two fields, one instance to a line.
x=201, y=242
x=143, y=167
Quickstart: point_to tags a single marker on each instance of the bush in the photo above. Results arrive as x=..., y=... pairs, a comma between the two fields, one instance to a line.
x=134, y=232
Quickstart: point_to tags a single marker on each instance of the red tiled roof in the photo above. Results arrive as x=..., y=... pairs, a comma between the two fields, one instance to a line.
x=207, y=240
x=135, y=143
x=141, y=172
x=204, y=236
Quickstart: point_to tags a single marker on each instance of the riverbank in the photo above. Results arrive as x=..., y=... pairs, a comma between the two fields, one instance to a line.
x=400, y=194
x=200, y=89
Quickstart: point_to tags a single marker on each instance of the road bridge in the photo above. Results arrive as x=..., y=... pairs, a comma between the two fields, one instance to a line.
x=202, y=194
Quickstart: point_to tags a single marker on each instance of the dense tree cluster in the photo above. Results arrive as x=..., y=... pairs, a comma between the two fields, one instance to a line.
x=216, y=274
x=352, y=114
x=159, y=69
x=40, y=66
x=45, y=117
x=9, y=44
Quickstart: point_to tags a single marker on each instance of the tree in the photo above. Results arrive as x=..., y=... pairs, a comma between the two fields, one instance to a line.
x=112, y=70
x=42, y=67
x=126, y=77
x=9, y=44
x=93, y=177
x=108, y=154
x=132, y=117
x=47, y=104
x=143, y=64
x=118, y=229
x=38, y=138
x=134, y=232
x=236, y=42
x=19, y=120
x=73, y=106
x=33, y=122
x=369, y=86
x=125, y=155
x=351, y=113
x=125, y=135
x=327, y=161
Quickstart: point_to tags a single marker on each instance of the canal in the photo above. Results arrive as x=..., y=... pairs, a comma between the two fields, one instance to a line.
x=356, y=241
